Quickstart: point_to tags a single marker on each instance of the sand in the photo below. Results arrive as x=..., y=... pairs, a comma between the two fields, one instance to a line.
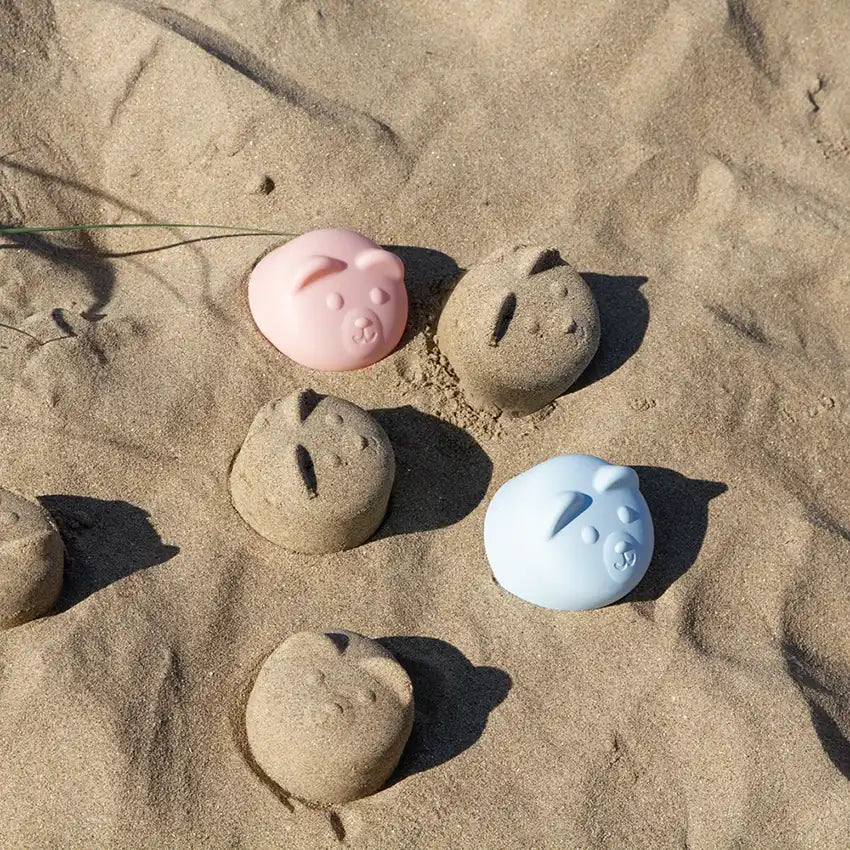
x=31, y=560
x=518, y=329
x=691, y=159
x=328, y=716
x=314, y=473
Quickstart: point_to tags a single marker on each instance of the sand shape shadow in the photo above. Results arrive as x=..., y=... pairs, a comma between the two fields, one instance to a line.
x=624, y=318
x=105, y=541
x=453, y=700
x=442, y=472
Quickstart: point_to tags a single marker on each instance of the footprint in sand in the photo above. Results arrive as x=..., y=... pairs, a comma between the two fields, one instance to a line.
x=519, y=329
x=31, y=560
x=314, y=473
x=329, y=715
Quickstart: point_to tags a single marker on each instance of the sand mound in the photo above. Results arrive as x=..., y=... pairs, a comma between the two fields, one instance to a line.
x=314, y=473
x=31, y=558
x=329, y=715
x=519, y=329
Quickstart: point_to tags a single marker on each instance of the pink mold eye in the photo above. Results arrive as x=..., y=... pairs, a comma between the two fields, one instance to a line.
x=334, y=301
x=378, y=296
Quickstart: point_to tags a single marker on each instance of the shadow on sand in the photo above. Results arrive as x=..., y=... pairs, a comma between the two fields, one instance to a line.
x=104, y=541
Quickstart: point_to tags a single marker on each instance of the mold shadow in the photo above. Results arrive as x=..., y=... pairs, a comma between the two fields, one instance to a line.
x=453, y=699
x=624, y=318
x=679, y=508
x=442, y=473
x=835, y=743
x=104, y=541
x=429, y=276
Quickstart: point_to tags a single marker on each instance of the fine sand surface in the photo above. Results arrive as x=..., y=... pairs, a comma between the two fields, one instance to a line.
x=690, y=157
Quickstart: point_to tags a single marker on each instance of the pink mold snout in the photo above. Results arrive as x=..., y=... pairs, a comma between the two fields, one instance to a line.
x=331, y=300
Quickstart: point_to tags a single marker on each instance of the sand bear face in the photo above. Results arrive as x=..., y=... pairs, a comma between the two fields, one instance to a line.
x=330, y=299
x=314, y=473
x=519, y=329
x=329, y=715
x=572, y=533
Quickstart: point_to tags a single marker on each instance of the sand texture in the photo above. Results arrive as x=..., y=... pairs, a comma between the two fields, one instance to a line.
x=690, y=158
x=329, y=715
x=518, y=329
x=314, y=473
x=31, y=560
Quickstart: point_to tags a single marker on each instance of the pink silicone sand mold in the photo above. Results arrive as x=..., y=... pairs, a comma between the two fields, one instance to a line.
x=331, y=300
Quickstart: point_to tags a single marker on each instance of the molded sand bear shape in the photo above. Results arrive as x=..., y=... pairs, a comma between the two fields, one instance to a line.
x=314, y=473
x=31, y=560
x=519, y=329
x=330, y=299
x=571, y=533
x=329, y=716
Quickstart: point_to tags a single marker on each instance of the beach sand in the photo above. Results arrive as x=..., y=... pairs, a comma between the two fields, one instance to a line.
x=690, y=158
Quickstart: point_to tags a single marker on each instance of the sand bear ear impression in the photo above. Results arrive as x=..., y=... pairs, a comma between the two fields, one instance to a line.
x=379, y=260
x=312, y=268
x=535, y=260
x=309, y=643
x=615, y=478
x=390, y=674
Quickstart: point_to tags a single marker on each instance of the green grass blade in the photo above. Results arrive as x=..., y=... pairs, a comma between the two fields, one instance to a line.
x=248, y=231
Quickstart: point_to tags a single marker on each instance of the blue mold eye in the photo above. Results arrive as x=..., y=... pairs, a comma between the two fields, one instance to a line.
x=626, y=514
x=589, y=534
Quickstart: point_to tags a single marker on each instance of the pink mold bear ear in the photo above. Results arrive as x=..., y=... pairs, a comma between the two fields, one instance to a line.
x=312, y=268
x=382, y=262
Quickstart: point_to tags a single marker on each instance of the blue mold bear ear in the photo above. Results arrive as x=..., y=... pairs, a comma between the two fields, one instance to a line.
x=610, y=477
x=568, y=505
